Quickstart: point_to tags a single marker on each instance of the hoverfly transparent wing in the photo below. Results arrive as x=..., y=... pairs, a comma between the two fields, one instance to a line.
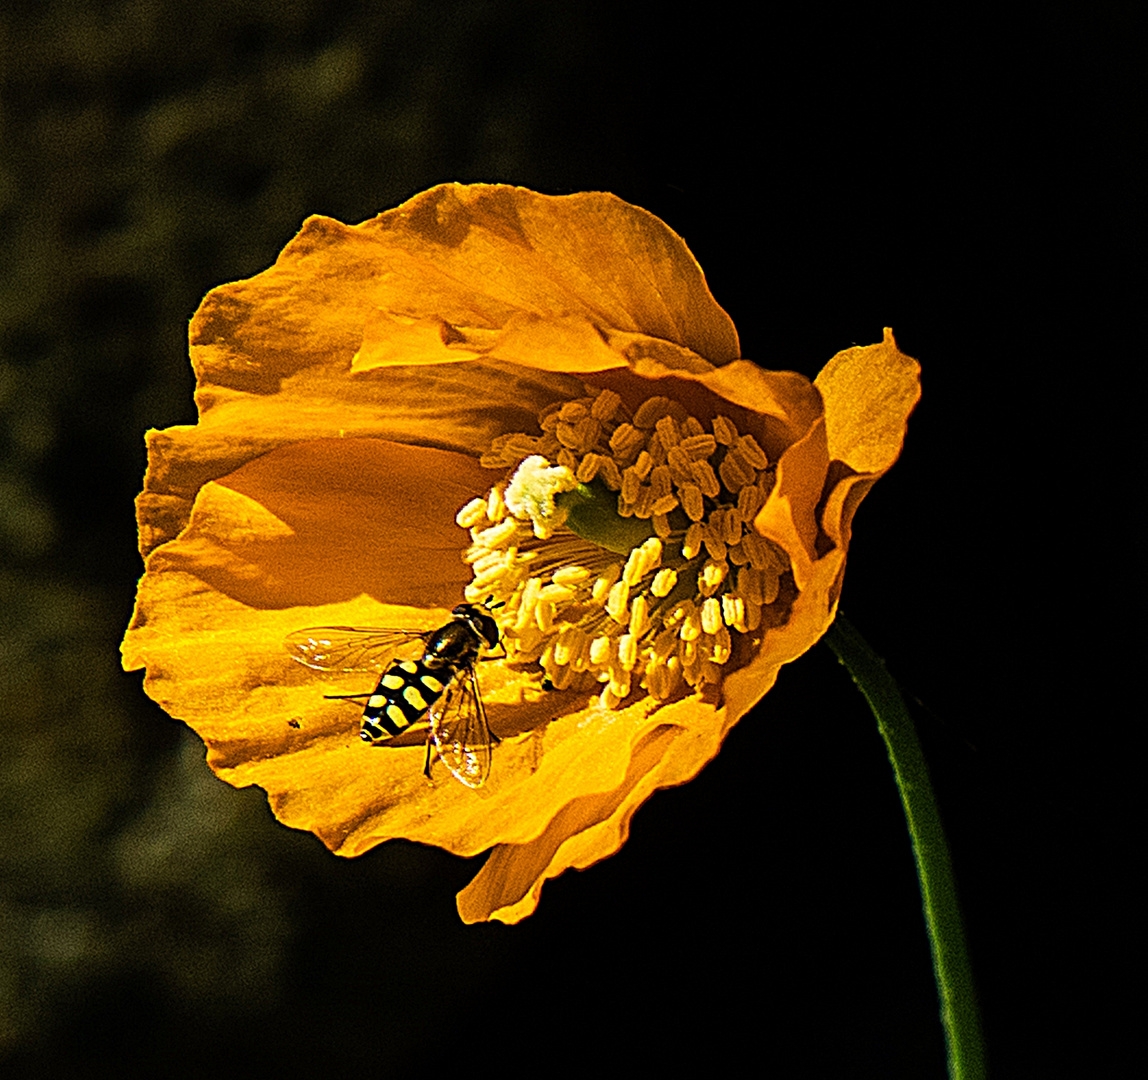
x=461, y=734
x=351, y=648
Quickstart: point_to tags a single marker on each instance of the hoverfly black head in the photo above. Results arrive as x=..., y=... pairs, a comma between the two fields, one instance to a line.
x=479, y=619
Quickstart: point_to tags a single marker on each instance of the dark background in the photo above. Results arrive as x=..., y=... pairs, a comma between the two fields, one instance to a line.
x=965, y=177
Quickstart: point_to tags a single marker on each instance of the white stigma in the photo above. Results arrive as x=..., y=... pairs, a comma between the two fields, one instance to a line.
x=531, y=491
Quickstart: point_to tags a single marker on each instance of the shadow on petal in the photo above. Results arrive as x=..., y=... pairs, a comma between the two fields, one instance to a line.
x=327, y=520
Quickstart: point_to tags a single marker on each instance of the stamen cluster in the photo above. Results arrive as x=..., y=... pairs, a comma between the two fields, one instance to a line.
x=588, y=615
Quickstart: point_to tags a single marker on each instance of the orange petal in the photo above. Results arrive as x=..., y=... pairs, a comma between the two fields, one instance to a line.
x=869, y=393
x=482, y=259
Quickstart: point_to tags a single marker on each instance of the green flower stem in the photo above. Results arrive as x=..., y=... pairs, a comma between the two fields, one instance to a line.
x=942, y=914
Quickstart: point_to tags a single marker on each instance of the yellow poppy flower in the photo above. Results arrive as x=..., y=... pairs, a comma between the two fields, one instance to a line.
x=526, y=401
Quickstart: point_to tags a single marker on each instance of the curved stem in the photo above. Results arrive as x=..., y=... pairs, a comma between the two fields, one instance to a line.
x=930, y=851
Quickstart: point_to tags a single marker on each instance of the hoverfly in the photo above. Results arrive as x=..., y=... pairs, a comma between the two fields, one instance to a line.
x=427, y=674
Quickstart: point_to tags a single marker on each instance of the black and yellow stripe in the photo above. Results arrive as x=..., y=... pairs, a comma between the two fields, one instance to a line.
x=404, y=694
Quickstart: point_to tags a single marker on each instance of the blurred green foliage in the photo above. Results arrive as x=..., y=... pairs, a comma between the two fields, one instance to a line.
x=149, y=150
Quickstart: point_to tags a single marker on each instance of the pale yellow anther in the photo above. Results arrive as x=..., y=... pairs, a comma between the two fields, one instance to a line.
x=604, y=582
x=600, y=650
x=750, y=500
x=693, y=540
x=678, y=462
x=489, y=576
x=570, y=575
x=544, y=612
x=474, y=513
x=651, y=554
x=660, y=481
x=620, y=682
x=568, y=645
x=733, y=610
x=617, y=602
x=488, y=559
x=626, y=440
x=733, y=474
x=652, y=410
x=691, y=496
x=573, y=411
x=631, y=485
x=752, y=616
x=747, y=445
x=711, y=615
x=609, y=471
x=749, y=583
x=711, y=576
x=556, y=594
x=495, y=504
x=527, y=603
x=725, y=431
x=703, y=476
x=698, y=446
x=497, y=535
x=627, y=651
x=664, y=581
x=691, y=628
x=588, y=468
x=731, y=527
x=715, y=545
x=719, y=648
x=639, y=616
x=605, y=405
x=667, y=429
x=633, y=572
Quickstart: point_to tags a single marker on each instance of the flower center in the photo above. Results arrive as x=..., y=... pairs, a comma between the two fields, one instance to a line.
x=634, y=552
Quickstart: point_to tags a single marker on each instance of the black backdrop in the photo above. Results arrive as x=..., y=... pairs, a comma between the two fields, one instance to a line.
x=963, y=177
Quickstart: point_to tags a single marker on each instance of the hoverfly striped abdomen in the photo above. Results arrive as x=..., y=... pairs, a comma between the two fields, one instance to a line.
x=402, y=698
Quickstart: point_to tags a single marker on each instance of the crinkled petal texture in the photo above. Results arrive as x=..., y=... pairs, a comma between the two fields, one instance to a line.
x=345, y=396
